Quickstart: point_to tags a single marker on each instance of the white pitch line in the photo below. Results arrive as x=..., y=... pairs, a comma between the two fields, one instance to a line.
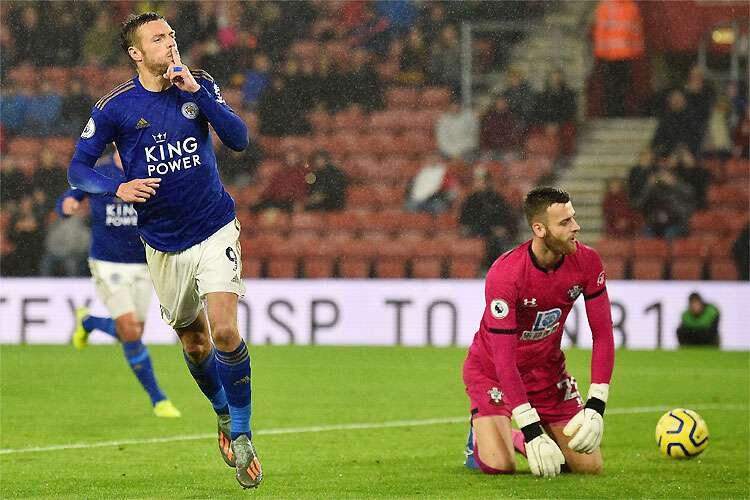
x=343, y=427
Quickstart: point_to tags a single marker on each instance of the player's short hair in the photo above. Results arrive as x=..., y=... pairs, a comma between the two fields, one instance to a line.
x=131, y=25
x=540, y=198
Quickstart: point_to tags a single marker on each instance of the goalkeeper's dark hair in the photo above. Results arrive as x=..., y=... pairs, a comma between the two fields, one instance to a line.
x=131, y=25
x=540, y=198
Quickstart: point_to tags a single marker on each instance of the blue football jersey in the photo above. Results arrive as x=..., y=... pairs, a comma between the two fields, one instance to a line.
x=114, y=223
x=166, y=134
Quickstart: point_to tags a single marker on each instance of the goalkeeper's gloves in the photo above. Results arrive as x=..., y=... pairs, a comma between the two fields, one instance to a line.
x=543, y=454
x=587, y=427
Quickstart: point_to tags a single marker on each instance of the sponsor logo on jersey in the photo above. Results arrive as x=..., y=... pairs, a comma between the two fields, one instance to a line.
x=190, y=110
x=545, y=324
x=174, y=156
x=601, y=278
x=496, y=396
x=529, y=302
x=142, y=123
x=499, y=308
x=89, y=130
x=575, y=291
x=120, y=214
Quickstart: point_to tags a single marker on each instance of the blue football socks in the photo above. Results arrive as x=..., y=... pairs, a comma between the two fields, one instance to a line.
x=234, y=373
x=139, y=360
x=207, y=377
x=107, y=325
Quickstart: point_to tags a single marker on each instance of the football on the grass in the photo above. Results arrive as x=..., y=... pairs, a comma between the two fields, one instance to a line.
x=681, y=433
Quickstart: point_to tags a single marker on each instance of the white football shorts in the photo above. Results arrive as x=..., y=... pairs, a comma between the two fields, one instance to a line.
x=123, y=288
x=182, y=279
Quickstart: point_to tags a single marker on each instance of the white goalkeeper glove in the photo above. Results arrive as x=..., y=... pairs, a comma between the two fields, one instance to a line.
x=587, y=427
x=543, y=454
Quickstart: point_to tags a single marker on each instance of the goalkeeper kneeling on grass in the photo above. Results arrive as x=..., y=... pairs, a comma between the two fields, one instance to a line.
x=515, y=367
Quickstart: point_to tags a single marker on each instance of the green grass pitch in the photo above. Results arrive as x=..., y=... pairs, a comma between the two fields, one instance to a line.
x=52, y=395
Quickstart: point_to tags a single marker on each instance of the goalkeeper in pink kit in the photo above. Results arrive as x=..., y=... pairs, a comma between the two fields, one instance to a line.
x=515, y=368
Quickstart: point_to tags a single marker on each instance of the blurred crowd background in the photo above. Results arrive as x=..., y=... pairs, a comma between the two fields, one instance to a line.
x=376, y=152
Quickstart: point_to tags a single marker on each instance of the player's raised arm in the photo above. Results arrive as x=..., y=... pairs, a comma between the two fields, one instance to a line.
x=228, y=126
x=587, y=427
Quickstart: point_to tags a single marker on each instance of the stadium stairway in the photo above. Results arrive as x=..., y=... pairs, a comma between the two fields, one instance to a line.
x=543, y=50
x=606, y=148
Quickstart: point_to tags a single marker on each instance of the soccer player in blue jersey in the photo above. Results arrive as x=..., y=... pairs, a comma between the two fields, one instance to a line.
x=118, y=267
x=159, y=122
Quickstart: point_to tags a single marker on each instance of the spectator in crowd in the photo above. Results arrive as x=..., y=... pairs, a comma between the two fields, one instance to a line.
x=457, y=133
x=640, y=173
x=736, y=93
x=741, y=253
x=620, y=220
x=287, y=189
x=520, y=97
x=75, y=108
x=433, y=189
x=693, y=173
x=26, y=231
x=66, y=247
x=238, y=168
x=485, y=214
x=256, y=80
x=434, y=22
x=43, y=112
x=14, y=104
x=327, y=184
x=414, y=59
x=666, y=202
x=557, y=102
x=699, y=324
x=50, y=179
x=677, y=125
x=361, y=82
x=618, y=41
x=371, y=32
x=699, y=96
x=400, y=14
x=280, y=111
x=741, y=137
x=445, y=60
x=500, y=132
x=31, y=41
x=717, y=141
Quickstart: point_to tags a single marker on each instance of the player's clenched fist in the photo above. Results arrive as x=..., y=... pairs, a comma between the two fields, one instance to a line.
x=138, y=190
x=180, y=75
x=70, y=205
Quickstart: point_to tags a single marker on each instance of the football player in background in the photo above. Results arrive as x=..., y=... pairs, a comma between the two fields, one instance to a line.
x=118, y=268
x=515, y=367
x=159, y=121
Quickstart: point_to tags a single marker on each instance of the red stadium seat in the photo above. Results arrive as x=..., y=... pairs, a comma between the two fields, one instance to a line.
x=355, y=257
x=435, y=97
x=401, y=98
x=319, y=259
x=687, y=268
x=690, y=247
x=465, y=268
x=251, y=267
x=650, y=248
x=723, y=269
x=648, y=268
x=615, y=267
x=312, y=223
x=611, y=247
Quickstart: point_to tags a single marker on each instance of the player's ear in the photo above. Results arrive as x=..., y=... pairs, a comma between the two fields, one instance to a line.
x=135, y=54
x=539, y=229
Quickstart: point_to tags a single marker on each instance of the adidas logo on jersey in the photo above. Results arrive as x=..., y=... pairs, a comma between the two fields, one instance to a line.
x=142, y=123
